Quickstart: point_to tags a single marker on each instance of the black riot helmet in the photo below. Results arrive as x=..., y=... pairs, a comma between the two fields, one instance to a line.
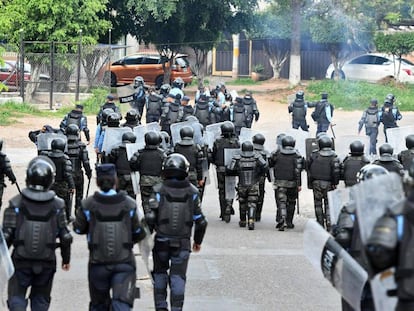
x=152, y=138
x=186, y=132
x=247, y=149
x=105, y=113
x=390, y=98
x=132, y=115
x=279, y=139
x=357, y=148
x=191, y=118
x=138, y=81
x=386, y=149
x=288, y=141
x=113, y=119
x=128, y=137
x=299, y=95
x=409, y=141
x=40, y=174
x=178, y=82
x=175, y=166
x=72, y=129
x=58, y=144
x=325, y=142
x=369, y=171
x=165, y=89
x=227, y=129
x=165, y=136
x=259, y=139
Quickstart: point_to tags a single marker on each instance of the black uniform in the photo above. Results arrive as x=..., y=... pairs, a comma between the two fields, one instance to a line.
x=108, y=105
x=194, y=155
x=78, y=155
x=389, y=115
x=5, y=170
x=172, y=113
x=154, y=108
x=202, y=111
x=353, y=163
x=175, y=207
x=258, y=144
x=251, y=108
x=31, y=223
x=324, y=174
x=77, y=117
x=387, y=161
x=406, y=156
x=287, y=165
x=110, y=220
x=249, y=166
x=298, y=109
x=217, y=158
x=238, y=115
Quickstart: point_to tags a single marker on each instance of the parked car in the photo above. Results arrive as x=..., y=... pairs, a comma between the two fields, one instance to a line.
x=9, y=74
x=148, y=66
x=374, y=67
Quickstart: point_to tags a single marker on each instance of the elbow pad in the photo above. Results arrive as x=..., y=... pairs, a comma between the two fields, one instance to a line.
x=200, y=229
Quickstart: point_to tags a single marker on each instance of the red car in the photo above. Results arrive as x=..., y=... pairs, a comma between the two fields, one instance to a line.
x=9, y=74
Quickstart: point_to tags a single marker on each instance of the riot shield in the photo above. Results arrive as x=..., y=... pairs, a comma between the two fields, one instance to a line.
x=246, y=134
x=337, y=199
x=6, y=264
x=230, y=181
x=125, y=93
x=147, y=244
x=373, y=197
x=300, y=137
x=44, y=141
x=337, y=266
x=113, y=138
x=396, y=137
x=141, y=130
x=131, y=149
x=197, y=127
x=343, y=142
x=380, y=285
x=213, y=131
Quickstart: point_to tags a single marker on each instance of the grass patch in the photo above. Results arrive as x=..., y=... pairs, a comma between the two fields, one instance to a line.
x=242, y=81
x=10, y=111
x=350, y=95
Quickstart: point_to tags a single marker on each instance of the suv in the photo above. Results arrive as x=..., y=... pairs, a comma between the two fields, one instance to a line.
x=149, y=67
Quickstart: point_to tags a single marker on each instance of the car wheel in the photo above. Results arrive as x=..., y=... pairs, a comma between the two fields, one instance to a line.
x=159, y=81
x=341, y=75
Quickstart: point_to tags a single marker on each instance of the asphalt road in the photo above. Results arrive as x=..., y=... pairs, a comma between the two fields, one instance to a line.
x=236, y=269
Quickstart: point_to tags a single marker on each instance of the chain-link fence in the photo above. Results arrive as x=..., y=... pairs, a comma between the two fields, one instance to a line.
x=60, y=67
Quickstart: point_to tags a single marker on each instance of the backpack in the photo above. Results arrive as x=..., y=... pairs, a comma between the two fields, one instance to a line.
x=371, y=119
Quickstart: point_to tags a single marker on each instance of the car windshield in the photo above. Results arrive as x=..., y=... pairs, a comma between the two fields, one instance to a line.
x=182, y=61
x=406, y=61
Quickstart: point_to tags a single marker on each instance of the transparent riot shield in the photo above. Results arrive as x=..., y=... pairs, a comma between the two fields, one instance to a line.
x=197, y=127
x=230, y=181
x=380, y=285
x=300, y=137
x=213, y=131
x=373, y=197
x=131, y=149
x=246, y=134
x=337, y=199
x=44, y=140
x=337, y=266
x=147, y=244
x=6, y=264
x=343, y=142
x=396, y=137
x=113, y=138
x=141, y=130
x=125, y=93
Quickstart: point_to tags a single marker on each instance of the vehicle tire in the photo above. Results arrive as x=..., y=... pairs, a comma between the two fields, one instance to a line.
x=341, y=75
x=159, y=81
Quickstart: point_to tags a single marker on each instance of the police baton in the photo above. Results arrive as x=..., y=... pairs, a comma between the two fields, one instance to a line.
x=87, y=189
x=331, y=126
x=297, y=203
x=17, y=186
x=203, y=188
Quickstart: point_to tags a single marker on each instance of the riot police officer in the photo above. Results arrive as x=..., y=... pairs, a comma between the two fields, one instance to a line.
x=324, y=173
x=148, y=162
x=406, y=156
x=248, y=166
x=177, y=88
x=118, y=156
x=258, y=145
x=77, y=117
x=165, y=90
x=172, y=246
x=153, y=107
x=229, y=140
x=110, y=220
x=139, y=96
x=172, y=113
x=78, y=155
x=387, y=160
x=202, y=110
x=188, y=109
x=109, y=104
x=251, y=108
x=31, y=223
x=323, y=114
x=132, y=118
x=193, y=153
x=63, y=185
x=5, y=170
x=287, y=165
x=353, y=163
x=238, y=115
x=112, y=120
x=389, y=114
x=165, y=142
x=298, y=110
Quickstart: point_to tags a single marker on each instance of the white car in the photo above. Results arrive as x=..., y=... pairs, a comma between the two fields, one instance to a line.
x=374, y=67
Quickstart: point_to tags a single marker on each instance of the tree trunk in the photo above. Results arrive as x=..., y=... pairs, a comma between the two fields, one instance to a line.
x=294, y=70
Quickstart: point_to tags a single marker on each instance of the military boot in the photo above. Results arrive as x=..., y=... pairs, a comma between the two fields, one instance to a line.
x=242, y=222
x=251, y=224
x=289, y=217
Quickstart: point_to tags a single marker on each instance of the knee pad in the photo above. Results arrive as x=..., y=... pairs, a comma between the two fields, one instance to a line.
x=125, y=291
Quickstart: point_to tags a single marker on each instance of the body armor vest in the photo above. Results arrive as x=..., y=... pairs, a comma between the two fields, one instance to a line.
x=151, y=161
x=299, y=111
x=202, y=113
x=154, y=105
x=390, y=166
x=221, y=144
x=59, y=159
x=248, y=175
x=175, y=212
x=321, y=168
x=406, y=158
x=239, y=116
x=173, y=113
x=190, y=152
x=74, y=155
x=284, y=168
x=352, y=165
x=74, y=117
x=249, y=106
x=36, y=230
x=187, y=111
x=109, y=228
x=122, y=163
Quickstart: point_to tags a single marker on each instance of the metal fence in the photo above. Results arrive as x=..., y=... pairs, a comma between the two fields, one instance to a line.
x=60, y=67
